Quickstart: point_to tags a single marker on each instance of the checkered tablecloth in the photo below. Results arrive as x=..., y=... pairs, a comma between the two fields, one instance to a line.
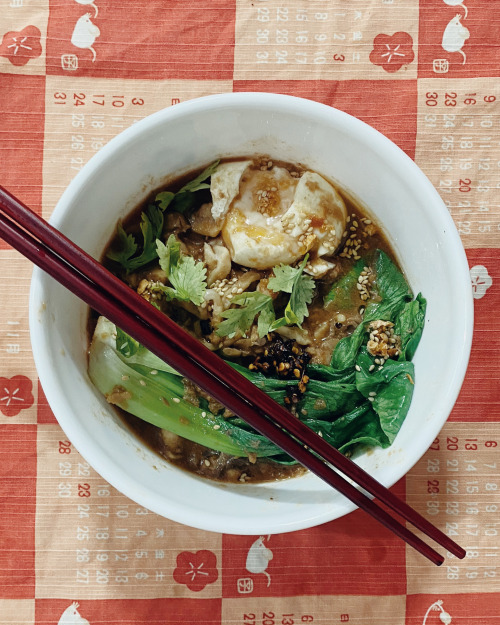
x=74, y=73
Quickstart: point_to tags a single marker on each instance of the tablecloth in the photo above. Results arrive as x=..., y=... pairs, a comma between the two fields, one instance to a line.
x=74, y=73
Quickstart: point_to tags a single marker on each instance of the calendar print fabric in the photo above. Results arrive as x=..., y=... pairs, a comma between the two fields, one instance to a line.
x=73, y=74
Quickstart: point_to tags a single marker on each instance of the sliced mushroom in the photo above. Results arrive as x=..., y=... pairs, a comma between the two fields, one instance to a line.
x=176, y=223
x=218, y=261
x=203, y=222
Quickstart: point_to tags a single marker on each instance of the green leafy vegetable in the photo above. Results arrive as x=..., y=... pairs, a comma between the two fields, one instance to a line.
x=125, y=249
x=200, y=181
x=342, y=292
x=409, y=326
x=240, y=319
x=164, y=198
x=156, y=396
x=394, y=292
x=125, y=344
x=300, y=286
x=346, y=350
x=134, y=352
x=185, y=199
x=360, y=426
x=392, y=386
x=125, y=252
x=286, y=279
x=187, y=277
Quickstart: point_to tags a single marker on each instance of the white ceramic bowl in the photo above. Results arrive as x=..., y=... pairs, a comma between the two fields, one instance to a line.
x=188, y=136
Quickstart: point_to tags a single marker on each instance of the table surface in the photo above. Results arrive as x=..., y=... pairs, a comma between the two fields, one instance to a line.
x=72, y=75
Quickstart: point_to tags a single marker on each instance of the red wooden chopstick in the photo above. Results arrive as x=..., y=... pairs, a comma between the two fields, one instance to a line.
x=81, y=274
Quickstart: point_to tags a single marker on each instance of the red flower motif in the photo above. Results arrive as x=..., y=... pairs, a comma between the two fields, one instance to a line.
x=392, y=52
x=196, y=570
x=21, y=46
x=15, y=395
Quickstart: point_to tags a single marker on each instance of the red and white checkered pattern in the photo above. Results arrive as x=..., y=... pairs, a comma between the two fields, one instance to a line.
x=72, y=75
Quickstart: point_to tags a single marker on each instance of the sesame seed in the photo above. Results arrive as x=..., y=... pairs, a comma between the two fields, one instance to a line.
x=142, y=382
x=358, y=368
x=207, y=463
x=203, y=414
x=125, y=378
x=153, y=372
x=216, y=427
x=371, y=367
x=372, y=393
x=176, y=400
x=371, y=399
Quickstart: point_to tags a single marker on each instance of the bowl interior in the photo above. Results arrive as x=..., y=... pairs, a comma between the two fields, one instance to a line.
x=194, y=134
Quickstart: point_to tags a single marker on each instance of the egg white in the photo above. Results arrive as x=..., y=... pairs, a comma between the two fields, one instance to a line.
x=272, y=217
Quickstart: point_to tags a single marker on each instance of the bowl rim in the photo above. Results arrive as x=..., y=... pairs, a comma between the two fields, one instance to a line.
x=291, y=104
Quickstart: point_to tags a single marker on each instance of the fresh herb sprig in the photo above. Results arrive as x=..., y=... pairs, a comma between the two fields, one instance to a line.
x=300, y=286
x=187, y=277
x=287, y=280
x=125, y=252
x=128, y=252
x=240, y=319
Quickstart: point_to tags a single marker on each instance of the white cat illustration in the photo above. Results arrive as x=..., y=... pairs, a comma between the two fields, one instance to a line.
x=85, y=34
x=71, y=616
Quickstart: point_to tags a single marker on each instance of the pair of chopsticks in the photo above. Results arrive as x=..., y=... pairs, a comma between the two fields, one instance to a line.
x=90, y=281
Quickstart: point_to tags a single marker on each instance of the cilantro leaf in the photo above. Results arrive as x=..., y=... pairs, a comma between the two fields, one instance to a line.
x=125, y=249
x=183, y=202
x=266, y=319
x=187, y=277
x=184, y=199
x=125, y=252
x=164, y=198
x=199, y=182
x=300, y=286
x=151, y=227
x=240, y=319
x=168, y=254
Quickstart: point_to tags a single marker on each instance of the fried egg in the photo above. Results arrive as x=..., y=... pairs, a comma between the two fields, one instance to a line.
x=272, y=217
